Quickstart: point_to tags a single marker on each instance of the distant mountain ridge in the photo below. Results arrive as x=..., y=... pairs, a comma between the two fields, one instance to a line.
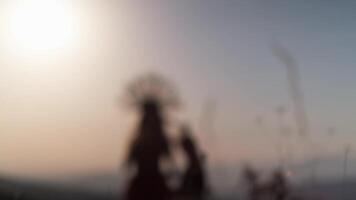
x=27, y=190
x=15, y=189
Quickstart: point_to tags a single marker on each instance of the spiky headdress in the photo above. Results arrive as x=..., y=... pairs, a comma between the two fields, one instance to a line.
x=152, y=90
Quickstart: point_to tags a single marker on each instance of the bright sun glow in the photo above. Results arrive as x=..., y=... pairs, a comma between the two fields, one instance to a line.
x=41, y=25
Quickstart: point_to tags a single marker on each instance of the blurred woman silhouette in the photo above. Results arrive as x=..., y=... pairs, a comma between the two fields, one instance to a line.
x=151, y=95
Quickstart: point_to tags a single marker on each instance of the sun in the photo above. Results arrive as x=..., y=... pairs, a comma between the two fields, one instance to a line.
x=41, y=25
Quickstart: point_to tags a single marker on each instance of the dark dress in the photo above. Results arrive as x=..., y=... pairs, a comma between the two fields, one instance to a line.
x=148, y=183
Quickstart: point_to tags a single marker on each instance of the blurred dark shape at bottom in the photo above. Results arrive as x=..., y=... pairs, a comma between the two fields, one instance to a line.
x=276, y=188
x=148, y=187
x=6, y=195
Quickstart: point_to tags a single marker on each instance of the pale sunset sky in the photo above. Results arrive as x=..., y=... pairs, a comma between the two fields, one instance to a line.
x=64, y=65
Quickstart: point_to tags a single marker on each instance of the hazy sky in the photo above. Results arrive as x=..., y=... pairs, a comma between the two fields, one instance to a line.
x=60, y=110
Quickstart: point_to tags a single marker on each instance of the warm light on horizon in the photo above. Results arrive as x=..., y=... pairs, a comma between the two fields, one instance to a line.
x=41, y=25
